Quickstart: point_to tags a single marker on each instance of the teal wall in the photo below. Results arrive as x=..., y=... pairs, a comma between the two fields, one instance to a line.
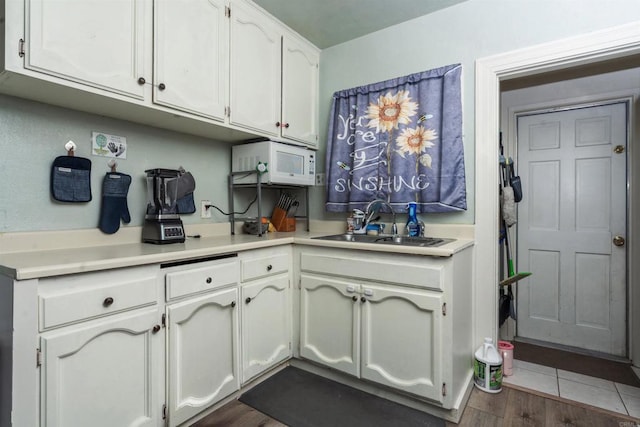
x=33, y=134
x=461, y=34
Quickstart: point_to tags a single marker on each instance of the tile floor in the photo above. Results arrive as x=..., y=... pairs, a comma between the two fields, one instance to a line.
x=593, y=391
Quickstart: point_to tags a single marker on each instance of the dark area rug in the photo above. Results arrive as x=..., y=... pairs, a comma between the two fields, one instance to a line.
x=301, y=399
x=619, y=372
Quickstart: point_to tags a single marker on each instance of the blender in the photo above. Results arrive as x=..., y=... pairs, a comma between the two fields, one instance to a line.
x=162, y=223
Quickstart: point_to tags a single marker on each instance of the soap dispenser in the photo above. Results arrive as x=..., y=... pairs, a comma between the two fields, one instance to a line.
x=413, y=226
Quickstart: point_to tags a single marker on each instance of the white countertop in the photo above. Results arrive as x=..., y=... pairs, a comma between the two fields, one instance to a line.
x=55, y=262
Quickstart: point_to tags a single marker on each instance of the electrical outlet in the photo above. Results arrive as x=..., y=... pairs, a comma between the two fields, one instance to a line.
x=205, y=212
x=320, y=179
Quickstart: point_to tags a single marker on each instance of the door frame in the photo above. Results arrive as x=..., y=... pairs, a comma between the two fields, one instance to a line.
x=612, y=43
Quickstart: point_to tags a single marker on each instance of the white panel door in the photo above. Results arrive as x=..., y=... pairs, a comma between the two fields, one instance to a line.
x=330, y=322
x=104, y=373
x=191, y=72
x=402, y=339
x=266, y=325
x=203, y=350
x=574, y=204
x=94, y=42
x=255, y=70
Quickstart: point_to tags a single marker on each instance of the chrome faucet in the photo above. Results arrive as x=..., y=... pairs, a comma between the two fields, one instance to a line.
x=372, y=209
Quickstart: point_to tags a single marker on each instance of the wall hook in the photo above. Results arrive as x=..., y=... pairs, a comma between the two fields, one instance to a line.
x=113, y=165
x=70, y=146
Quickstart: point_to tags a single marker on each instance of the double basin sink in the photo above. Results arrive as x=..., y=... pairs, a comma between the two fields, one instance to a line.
x=397, y=240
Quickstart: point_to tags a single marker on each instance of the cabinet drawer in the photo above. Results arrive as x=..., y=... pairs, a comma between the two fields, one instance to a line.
x=69, y=299
x=405, y=270
x=187, y=280
x=265, y=265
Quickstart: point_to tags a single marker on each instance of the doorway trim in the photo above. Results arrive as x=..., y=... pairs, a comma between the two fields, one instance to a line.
x=616, y=42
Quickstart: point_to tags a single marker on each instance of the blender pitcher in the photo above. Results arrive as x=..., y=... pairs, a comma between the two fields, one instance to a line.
x=162, y=223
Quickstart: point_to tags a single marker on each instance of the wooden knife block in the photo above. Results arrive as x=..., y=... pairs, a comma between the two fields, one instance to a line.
x=281, y=222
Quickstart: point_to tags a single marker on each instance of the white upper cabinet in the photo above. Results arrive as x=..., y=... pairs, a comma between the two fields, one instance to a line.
x=94, y=42
x=190, y=51
x=300, y=64
x=274, y=77
x=223, y=69
x=255, y=70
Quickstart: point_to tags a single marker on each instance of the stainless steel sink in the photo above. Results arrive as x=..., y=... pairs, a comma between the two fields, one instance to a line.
x=362, y=238
x=427, y=242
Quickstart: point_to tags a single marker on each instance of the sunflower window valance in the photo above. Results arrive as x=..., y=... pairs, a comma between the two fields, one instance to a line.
x=399, y=140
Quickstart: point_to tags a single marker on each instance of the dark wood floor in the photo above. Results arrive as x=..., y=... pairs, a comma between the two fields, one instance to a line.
x=510, y=407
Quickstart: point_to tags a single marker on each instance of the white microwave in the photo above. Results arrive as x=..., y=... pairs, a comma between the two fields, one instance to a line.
x=286, y=164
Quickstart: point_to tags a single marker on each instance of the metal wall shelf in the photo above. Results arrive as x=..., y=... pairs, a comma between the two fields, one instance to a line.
x=259, y=186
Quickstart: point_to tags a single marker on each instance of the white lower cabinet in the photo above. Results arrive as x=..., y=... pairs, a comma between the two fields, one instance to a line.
x=401, y=339
x=388, y=319
x=161, y=344
x=202, y=334
x=387, y=334
x=330, y=322
x=266, y=325
x=203, y=350
x=103, y=373
x=266, y=310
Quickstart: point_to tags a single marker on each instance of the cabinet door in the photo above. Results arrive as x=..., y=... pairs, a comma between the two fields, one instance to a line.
x=266, y=325
x=203, y=348
x=330, y=322
x=94, y=42
x=402, y=339
x=299, y=91
x=191, y=72
x=107, y=374
x=255, y=70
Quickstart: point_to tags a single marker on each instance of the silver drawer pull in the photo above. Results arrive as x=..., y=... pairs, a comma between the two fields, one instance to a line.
x=107, y=302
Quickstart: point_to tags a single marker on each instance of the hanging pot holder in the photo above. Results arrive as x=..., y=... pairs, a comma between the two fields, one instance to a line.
x=71, y=179
x=186, y=186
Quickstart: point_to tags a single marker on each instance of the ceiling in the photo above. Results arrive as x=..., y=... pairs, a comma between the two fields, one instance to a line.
x=330, y=22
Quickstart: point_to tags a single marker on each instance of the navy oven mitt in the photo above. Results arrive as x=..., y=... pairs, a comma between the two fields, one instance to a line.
x=71, y=179
x=115, y=187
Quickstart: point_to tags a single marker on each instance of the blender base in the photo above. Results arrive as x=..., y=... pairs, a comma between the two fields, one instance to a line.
x=163, y=231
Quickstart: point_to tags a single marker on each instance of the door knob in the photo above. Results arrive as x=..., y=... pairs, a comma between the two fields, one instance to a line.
x=618, y=241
